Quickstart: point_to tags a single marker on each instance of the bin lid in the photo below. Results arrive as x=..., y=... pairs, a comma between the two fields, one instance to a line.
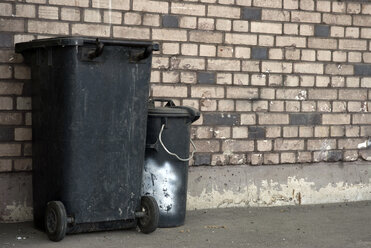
x=80, y=41
x=170, y=110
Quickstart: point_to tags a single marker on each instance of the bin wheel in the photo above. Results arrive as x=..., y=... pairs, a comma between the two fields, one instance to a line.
x=149, y=221
x=55, y=221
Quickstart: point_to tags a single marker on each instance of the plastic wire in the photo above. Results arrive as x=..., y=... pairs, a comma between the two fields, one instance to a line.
x=173, y=154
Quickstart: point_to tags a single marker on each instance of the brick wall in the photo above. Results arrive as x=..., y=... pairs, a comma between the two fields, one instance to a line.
x=277, y=81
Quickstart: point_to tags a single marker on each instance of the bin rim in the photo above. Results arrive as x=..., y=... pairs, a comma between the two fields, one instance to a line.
x=80, y=41
x=175, y=112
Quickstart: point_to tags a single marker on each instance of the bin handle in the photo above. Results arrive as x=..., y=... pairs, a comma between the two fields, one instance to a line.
x=173, y=154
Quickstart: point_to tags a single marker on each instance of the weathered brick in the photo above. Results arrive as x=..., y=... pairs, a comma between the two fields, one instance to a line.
x=241, y=79
x=170, y=48
x=206, y=77
x=322, y=43
x=223, y=11
x=151, y=20
x=207, y=92
x=21, y=134
x=352, y=32
x=239, y=132
x=164, y=34
x=290, y=132
x=256, y=132
x=362, y=20
x=10, y=88
x=48, y=12
x=352, y=94
x=269, y=118
x=238, y=145
x=226, y=119
x=89, y=29
x=250, y=66
x=290, y=41
x=259, y=53
x=10, y=118
x=165, y=91
x=202, y=159
x=324, y=6
x=23, y=164
x=10, y=150
x=266, y=40
x=302, y=16
x=271, y=158
x=206, y=23
x=133, y=18
x=305, y=119
x=264, y=145
x=188, y=9
x=291, y=94
x=170, y=21
x=288, y=144
x=275, y=15
x=188, y=22
x=334, y=69
x=263, y=27
x=310, y=68
x=5, y=71
x=5, y=165
x=11, y=25
x=25, y=10
x=187, y=63
x=290, y=4
x=225, y=51
x=208, y=50
x=226, y=105
x=205, y=37
x=146, y=6
x=350, y=143
x=189, y=49
x=322, y=94
x=240, y=26
x=223, y=65
x=243, y=105
x=73, y=14
x=242, y=92
x=241, y=39
x=337, y=19
x=249, y=13
x=223, y=24
x=170, y=77
x=268, y=3
x=362, y=70
x=353, y=44
x=321, y=144
x=335, y=119
x=77, y=3
x=276, y=67
x=322, y=30
x=207, y=145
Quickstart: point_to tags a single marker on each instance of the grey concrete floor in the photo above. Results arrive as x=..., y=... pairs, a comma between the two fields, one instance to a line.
x=336, y=225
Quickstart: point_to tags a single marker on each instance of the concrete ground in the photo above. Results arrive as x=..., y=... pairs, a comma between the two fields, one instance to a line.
x=337, y=225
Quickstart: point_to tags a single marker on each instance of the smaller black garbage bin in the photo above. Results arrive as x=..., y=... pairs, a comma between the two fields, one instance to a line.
x=166, y=159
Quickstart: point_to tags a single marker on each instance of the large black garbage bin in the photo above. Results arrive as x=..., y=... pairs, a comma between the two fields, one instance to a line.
x=166, y=163
x=87, y=168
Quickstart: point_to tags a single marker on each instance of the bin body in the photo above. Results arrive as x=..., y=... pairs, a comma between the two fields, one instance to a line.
x=81, y=154
x=165, y=177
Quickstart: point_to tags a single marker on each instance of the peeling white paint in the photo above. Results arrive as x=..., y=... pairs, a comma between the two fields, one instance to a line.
x=365, y=144
x=270, y=193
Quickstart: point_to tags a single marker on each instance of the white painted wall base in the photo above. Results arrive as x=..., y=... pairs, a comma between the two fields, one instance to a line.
x=233, y=186
x=278, y=185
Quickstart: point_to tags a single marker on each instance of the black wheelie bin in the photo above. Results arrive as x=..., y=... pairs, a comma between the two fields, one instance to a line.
x=87, y=168
x=166, y=163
